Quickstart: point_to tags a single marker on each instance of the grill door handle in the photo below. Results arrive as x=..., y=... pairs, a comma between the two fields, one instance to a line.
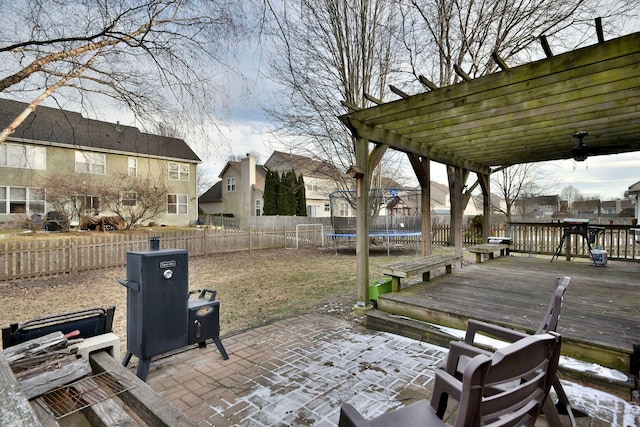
x=198, y=328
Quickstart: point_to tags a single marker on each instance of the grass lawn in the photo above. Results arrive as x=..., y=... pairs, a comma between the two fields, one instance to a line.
x=253, y=287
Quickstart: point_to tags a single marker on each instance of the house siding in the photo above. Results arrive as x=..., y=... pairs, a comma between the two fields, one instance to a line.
x=61, y=160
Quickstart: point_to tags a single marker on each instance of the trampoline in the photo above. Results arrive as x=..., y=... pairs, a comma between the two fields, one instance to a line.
x=383, y=234
x=398, y=216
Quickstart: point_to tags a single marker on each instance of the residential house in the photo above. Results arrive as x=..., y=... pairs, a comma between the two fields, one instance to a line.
x=612, y=208
x=537, y=206
x=239, y=193
x=53, y=147
x=476, y=205
x=633, y=193
x=210, y=202
x=586, y=208
x=320, y=180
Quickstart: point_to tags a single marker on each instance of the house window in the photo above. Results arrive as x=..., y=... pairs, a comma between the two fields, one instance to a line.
x=231, y=184
x=179, y=171
x=133, y=167
x=129, y=199
x=312, y=186
x=87, y=162
x=89, y=204
x=343, y=209
x=22, y=200
x=258, y=207
x=177, y=204
x=23, y=156
x=327, y=207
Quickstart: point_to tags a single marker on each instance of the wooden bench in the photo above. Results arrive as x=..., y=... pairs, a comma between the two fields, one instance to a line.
x=488, y=249
x=404, y=269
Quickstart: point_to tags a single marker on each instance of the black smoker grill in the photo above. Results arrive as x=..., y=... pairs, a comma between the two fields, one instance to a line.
x=161, y=316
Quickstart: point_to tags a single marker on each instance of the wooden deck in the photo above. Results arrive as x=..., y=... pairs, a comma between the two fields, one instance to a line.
x=599, y=322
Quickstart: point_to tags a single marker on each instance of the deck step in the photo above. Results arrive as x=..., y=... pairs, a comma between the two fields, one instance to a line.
x=441, y=336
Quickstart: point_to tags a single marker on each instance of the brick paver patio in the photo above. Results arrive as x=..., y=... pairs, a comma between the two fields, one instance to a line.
x=298, y=371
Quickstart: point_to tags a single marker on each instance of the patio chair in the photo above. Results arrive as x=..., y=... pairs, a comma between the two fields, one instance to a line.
x=506, y=389
x=549, y=324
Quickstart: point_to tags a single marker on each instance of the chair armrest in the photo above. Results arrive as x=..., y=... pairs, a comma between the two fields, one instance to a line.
x=458, y=350
x=350, y=417
x=500, y=332
x=447, y=383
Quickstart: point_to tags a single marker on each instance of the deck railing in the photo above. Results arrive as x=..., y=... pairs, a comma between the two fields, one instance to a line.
x=620, y=241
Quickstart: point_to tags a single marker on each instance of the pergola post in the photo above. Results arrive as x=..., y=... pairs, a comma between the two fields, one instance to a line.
x=362, y=222
x=456, y=184
x=422, y=168
x=485, y=184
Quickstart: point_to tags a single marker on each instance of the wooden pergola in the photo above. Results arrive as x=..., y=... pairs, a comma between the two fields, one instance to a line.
x=530, y=113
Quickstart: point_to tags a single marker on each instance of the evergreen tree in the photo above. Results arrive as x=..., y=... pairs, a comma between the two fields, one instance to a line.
x=286, y=200
x=271, y=187
x=301, y=197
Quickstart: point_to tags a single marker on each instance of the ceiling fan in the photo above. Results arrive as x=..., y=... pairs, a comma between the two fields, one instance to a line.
x=580, y=152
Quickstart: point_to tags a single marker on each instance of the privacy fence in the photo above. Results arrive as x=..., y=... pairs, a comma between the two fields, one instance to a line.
x=35, y=256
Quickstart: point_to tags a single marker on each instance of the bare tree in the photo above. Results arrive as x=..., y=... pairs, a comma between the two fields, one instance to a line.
x=149, y=56
x=519, y=181
x=571, y=194
x=328, y=52
x=135, y=199
x=443, y=34
x=72, y=197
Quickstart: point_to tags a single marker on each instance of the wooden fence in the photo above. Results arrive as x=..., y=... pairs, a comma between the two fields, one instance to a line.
x=36, y=257
x=71, y=254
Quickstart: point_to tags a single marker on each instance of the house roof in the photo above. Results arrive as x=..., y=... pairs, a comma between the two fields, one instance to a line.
x=541, y=200
x=214, y=194
x=521, y=114
x=52, y=126
x=302, y=165
x=261, y=172
x=635, y=188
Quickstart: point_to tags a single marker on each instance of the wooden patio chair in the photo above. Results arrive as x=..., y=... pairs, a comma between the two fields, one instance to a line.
x=549, y=323
x=508, y=388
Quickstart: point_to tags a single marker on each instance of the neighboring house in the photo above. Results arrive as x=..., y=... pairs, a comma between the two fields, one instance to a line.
x=586, y=208
x=319, y=180
x=210, y=202
x=241, y=190
x=53, y=144
x=538, y=205
x=633, y=193
x=615, y=207
x=476, y=205
x=239, y=193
